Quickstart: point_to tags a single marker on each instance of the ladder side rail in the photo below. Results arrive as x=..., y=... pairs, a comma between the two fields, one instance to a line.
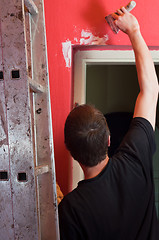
x=6, y=217
x=18, y=118
x=45, y=149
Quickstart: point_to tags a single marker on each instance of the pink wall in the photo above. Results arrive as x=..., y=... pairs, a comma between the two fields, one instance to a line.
x=79, y=22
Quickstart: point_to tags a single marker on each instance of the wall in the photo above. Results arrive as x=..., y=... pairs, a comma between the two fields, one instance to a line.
x=73, y=23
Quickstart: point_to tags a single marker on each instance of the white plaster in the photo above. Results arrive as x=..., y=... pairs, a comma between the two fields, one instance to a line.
x=87, y=38
x=76, y=39
x=66, y=49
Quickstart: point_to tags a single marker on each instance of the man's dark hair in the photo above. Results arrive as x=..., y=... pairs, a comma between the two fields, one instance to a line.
x=86, y=135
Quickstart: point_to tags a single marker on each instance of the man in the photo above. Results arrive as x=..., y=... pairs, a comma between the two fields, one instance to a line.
x=115, y=201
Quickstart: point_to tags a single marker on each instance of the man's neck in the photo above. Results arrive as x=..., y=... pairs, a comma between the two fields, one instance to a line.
x=91, y=172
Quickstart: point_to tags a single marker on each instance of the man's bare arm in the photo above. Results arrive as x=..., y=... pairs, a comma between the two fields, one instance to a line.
x=147, y=99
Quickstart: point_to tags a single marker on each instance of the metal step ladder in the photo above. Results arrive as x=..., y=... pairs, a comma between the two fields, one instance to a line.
x=28, y=206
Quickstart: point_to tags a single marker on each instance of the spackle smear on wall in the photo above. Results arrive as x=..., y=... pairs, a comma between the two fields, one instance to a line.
x=87, y=38
x=66, y=49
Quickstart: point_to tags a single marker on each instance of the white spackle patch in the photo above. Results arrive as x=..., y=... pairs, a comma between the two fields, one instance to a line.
x=75, y=39
x=66, y=49
x=87, y=38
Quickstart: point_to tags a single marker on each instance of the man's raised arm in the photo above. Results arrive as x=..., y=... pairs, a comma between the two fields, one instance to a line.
x=147, y=99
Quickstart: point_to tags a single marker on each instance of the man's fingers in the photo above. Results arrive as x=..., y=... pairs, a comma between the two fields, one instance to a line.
x=119, y=12
x=115, y=16
x=123, y=9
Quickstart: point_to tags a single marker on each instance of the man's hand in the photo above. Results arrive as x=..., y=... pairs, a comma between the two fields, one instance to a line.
x=125, y=21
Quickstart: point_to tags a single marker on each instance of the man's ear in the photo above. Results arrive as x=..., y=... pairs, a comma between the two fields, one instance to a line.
x=109, y=141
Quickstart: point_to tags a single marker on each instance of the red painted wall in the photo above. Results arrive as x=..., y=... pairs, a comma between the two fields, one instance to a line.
x=70, y=22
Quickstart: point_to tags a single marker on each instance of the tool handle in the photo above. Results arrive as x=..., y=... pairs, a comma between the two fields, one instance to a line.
x=130, y=6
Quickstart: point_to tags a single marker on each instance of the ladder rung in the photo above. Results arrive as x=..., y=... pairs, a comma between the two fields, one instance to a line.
x=36, y=87
x=30, y=5
x=41, y=169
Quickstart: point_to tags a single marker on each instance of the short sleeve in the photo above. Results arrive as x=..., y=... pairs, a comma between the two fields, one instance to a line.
x=139, y=143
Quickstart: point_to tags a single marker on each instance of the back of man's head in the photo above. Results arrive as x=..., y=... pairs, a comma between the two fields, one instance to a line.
x=86, y=135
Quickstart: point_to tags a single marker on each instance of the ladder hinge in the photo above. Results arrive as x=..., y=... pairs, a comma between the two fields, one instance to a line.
x=30, y=5
x=36, y=87
x=41, y=169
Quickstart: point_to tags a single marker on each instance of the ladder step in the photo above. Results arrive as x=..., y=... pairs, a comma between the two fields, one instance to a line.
x=41, y=169
x=30, y=5
x=36, y=87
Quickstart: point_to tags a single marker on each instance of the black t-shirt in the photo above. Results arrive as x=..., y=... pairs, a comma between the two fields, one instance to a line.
x=118, y=204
